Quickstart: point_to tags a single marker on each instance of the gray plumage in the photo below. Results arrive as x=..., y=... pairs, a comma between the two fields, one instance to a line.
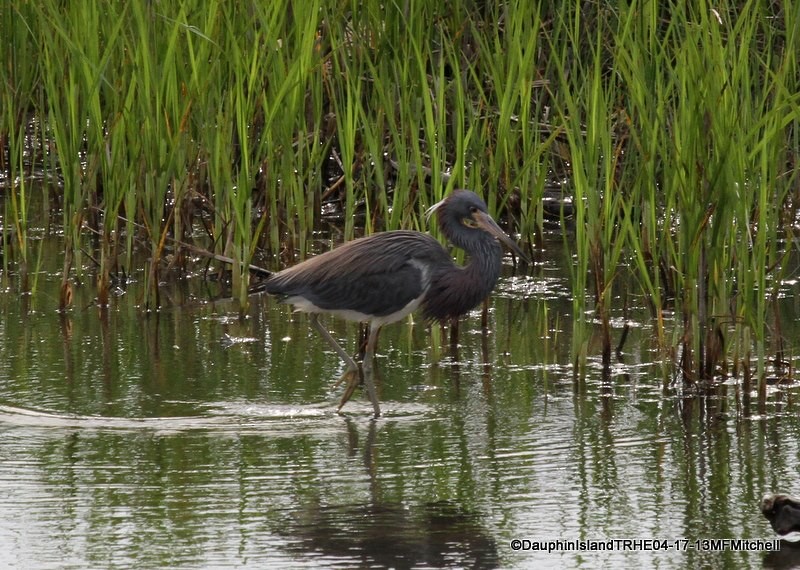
x=383, y=277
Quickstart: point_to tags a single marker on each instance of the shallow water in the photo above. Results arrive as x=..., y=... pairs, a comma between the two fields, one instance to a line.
x=190, y=438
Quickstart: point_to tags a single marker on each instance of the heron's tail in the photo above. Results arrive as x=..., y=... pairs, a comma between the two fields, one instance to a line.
x=259, y=287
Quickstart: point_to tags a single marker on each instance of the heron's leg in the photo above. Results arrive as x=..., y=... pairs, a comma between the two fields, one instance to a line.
x=353, y=379
x=314, y=318
x=351, y=370
x=369, y=357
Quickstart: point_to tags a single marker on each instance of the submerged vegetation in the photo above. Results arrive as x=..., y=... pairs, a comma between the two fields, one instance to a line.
x=667, y=131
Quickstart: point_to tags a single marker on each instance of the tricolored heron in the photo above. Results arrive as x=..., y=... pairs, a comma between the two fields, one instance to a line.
x=380, y=279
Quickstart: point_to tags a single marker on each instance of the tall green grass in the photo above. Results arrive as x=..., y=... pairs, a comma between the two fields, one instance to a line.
x=712, y=107
x=672, y=128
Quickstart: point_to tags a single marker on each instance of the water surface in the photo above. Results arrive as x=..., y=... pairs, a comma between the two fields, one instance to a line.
x=192, y=438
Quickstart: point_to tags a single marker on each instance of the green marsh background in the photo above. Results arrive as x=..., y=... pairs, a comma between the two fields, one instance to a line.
x=644, y=153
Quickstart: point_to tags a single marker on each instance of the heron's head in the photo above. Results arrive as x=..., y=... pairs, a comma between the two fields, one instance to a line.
x=464, y=219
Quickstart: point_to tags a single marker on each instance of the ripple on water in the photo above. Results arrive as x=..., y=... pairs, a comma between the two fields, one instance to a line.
x=220, y=416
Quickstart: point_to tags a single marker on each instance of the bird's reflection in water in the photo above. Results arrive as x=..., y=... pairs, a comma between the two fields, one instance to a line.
x=455, y=356
x=396, y=535
x=787, y=558
x=390, y=534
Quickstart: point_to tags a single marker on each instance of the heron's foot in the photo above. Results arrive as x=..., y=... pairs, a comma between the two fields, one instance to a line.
x=347, y=376
x=353, y=378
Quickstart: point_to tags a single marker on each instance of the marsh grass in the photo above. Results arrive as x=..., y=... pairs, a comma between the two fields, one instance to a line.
x=715, y=202
x=230, y=125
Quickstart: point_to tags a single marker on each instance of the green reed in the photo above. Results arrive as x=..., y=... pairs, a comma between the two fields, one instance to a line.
x=709, y=103
x=16, y=93
x=672, y=128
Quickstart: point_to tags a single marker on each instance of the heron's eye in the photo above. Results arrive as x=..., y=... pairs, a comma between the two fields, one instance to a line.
x=473, y=209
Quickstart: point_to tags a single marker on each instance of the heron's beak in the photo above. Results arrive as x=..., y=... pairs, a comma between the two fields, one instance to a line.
x=485, y=222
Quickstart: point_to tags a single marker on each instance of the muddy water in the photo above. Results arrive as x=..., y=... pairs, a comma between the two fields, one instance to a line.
x=190, y=438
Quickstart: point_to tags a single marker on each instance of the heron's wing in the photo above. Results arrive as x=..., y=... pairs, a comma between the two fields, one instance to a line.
x=375, y=275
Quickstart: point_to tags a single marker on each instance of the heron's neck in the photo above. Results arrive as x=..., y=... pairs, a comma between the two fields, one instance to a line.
x=457, y=290
x=483, y=266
